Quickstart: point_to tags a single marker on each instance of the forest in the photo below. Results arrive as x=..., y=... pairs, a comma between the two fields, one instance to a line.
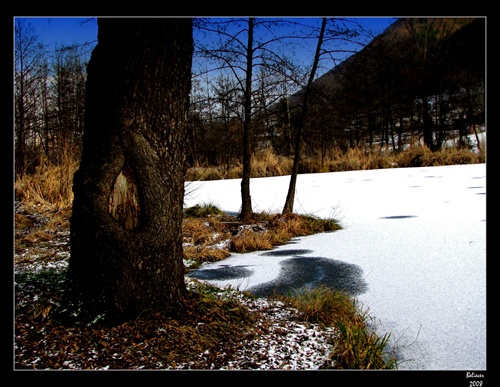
x=422, y=80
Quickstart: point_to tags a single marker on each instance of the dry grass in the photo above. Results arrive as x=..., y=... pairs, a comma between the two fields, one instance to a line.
x=198, y=231
x=352, y=159
x=211, y=235
x=200, y=254
x=203, y=210
x=50, y=188
x=420, y=156
x=37, y=237
x=266, y=163
x=205, y=335
x=249, y=240
x=277, y=229
x=205, y=239
x=22, y=221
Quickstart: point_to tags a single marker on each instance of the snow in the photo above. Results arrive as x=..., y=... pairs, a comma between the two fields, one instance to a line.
x=417, y=234
x=287, y=345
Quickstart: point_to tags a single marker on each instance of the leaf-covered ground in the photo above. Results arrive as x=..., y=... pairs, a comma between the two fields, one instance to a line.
x=221, y=328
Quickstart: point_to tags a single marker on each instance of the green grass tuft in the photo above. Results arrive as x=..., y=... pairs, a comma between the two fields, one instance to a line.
x=357, y=347
x=203, y=211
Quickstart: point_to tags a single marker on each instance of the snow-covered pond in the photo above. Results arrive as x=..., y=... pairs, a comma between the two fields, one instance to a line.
x=413, y=248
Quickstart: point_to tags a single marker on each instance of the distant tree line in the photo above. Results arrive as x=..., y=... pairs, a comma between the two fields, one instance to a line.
x=423, y=79
x=49, y=100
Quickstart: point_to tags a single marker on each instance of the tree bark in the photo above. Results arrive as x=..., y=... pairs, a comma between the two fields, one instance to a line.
x=126, y=237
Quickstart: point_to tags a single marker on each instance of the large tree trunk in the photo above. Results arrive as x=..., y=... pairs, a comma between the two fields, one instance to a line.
x=126, y=241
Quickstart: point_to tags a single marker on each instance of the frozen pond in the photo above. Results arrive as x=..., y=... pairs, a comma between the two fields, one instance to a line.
x=413, y=252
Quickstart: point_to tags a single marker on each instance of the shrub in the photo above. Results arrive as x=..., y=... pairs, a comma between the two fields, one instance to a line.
x=203, y=211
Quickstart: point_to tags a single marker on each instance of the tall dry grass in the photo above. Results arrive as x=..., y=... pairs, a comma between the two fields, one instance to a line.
x=266, y=163
x=50, y=187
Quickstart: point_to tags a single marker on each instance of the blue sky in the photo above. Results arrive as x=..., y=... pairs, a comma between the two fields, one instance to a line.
x=54, y=31
x=69, y=30
x=57, y=31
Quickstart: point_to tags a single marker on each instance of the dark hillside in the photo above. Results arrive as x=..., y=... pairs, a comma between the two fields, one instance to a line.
x=399, y=31
x=420, y=78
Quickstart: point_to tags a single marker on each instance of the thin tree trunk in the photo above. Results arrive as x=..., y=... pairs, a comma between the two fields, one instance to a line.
x=290, y=198
x=477, y=137
x=427, y=124
x=246, y=200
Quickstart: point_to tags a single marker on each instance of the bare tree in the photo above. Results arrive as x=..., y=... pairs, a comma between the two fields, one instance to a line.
x=29, y=78
x=228, y=121
x=246, y=200
x=290, y=198
x=237, y=47
x=126, y=242
x=68, y=91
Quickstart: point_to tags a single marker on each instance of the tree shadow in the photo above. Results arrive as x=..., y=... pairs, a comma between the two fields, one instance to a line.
x=299, y=273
